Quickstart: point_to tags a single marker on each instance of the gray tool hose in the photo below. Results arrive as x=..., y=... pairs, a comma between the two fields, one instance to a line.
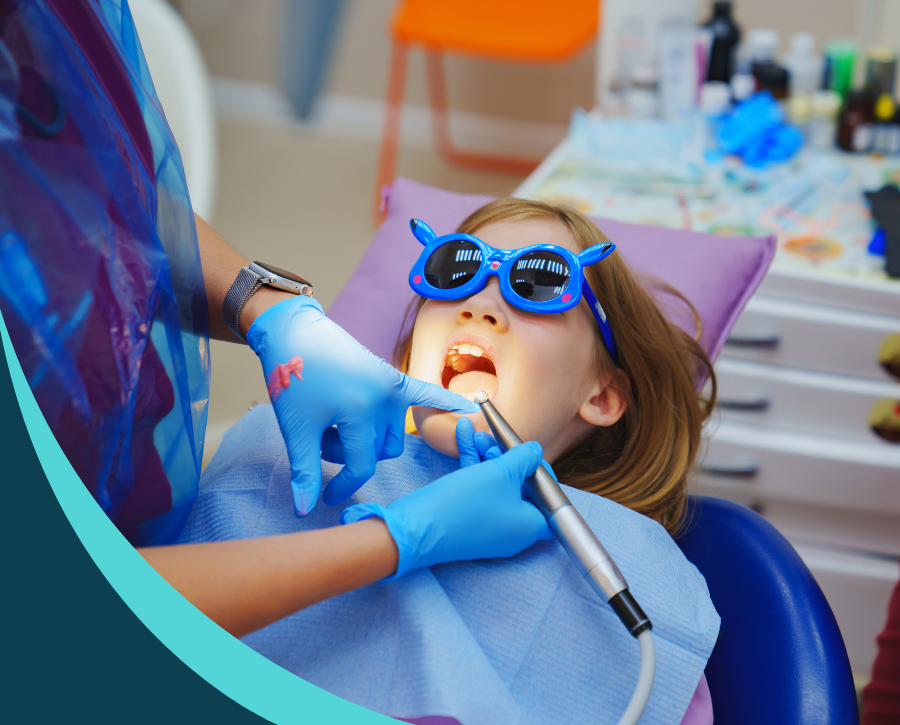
x=588, y=555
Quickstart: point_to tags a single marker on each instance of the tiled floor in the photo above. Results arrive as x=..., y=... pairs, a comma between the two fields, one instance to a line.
x=303, y=200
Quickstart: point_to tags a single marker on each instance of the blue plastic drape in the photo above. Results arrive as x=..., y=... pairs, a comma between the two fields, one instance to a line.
x=100, y=279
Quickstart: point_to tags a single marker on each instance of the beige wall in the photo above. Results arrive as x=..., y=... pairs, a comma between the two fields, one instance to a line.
x=240, y=39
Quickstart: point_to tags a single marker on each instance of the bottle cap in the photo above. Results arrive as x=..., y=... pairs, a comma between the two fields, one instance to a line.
x=715, y=98
x=743, y=85
x=771, y=78
x=881, y=53
x=803, y=43
x=841, y=49
x=825, y=104
x=799, y=108
x=884, y=107
x=762, y=44
x=722, y=7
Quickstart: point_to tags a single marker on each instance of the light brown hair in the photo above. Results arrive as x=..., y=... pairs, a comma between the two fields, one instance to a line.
x=643, y=461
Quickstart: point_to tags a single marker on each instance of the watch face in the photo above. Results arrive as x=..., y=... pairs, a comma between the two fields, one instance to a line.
x=282, y=273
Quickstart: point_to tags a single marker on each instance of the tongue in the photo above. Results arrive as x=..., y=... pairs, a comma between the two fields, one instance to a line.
x=472, y=382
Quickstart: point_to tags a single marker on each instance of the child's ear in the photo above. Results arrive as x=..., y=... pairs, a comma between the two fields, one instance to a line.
x=605, y=404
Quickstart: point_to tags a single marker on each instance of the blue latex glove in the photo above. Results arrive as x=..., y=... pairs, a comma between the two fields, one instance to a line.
x=319, y=376
x=476, y=512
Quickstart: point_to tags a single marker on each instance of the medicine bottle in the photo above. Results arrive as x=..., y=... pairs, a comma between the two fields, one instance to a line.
x=825, y=106
x=855, y=125
x=762, y=46
x=881, y=69
x=726, y=36
x=799, y=112
x=882, y=136
x=803, y=65
x=840, y=60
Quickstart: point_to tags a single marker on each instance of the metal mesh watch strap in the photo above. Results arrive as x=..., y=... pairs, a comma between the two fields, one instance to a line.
x=246, y=283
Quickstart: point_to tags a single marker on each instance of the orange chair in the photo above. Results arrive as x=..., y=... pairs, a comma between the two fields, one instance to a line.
x=531, y=31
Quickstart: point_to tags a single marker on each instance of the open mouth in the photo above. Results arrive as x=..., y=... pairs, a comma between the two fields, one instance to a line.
x=468, y=368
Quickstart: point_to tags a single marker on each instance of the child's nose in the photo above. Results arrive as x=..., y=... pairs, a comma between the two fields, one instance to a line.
x=487, y=306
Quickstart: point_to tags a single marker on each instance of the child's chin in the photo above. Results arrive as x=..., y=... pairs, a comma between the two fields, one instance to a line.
x=438, y=428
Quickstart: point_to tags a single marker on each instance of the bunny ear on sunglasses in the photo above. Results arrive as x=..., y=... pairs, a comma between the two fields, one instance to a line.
x=421, y=231
x=594, y=254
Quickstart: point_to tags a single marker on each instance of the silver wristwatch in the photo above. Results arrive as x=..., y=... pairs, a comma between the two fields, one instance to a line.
x=249, y=280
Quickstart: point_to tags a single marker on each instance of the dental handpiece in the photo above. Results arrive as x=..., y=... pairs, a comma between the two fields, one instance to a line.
x=583, y=547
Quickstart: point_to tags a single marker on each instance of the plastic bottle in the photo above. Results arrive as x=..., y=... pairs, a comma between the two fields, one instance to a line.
x=726, y=36
x=643, y=95
x=715, y=102
x=825, y=106
x=803, y=64
x=855, y=125
x=894, y=136
x=840, y=59
x=881, y=69
x=799, y=111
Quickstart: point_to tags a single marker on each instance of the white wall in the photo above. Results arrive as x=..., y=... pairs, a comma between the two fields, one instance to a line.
x=240, y=39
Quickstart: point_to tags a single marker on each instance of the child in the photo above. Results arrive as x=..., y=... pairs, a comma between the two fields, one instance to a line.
x=607, y=385
x=626, y=430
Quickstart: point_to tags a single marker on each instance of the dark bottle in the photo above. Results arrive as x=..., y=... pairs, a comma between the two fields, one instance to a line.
x=726, y=36
x=772, y=78
x=855, y=129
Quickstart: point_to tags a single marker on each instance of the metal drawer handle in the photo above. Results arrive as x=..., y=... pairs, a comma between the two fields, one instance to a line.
x=758, y=405
x=767, y=342
x=726, y=470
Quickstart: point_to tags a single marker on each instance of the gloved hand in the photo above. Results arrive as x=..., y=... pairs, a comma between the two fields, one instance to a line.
x=476, y=512
x=319, y=376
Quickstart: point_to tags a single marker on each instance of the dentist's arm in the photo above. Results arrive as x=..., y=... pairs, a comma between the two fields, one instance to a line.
x=221, y=264
x=245, y=585
x=476, y=512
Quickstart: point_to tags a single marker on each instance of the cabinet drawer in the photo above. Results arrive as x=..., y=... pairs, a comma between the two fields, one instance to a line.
x=808, y=402
x=811, y=337
x=817, y=525
x=790, y=466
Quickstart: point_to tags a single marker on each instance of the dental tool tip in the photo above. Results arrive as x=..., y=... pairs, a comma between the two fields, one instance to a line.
x=481, y=397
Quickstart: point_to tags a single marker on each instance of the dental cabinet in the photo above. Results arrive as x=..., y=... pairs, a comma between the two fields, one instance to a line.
x=807, y=434
x=807, y=427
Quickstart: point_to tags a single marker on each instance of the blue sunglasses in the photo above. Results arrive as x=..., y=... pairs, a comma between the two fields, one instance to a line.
x=540, y=278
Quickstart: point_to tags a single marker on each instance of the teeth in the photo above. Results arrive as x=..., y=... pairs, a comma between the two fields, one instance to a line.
x=465, y=349
x=457, y=351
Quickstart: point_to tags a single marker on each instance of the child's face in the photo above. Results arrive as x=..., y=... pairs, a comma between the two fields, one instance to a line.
x=538, y=369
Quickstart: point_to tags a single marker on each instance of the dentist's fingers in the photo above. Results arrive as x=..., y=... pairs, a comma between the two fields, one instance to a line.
x=306, y=472
x=465, y=442
x=418, y=392
x=483, y=442
x=361, y=448
x=521, y=462
x=333, y=449
x=393, y=441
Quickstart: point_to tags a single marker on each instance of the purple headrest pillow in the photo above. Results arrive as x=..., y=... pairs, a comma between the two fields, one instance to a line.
x=717, y=274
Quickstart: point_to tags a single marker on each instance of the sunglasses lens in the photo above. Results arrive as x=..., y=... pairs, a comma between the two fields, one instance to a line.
x=540, y=276
x=452, y=265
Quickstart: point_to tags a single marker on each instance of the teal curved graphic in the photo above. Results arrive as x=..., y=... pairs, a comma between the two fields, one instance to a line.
x=226, y=663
